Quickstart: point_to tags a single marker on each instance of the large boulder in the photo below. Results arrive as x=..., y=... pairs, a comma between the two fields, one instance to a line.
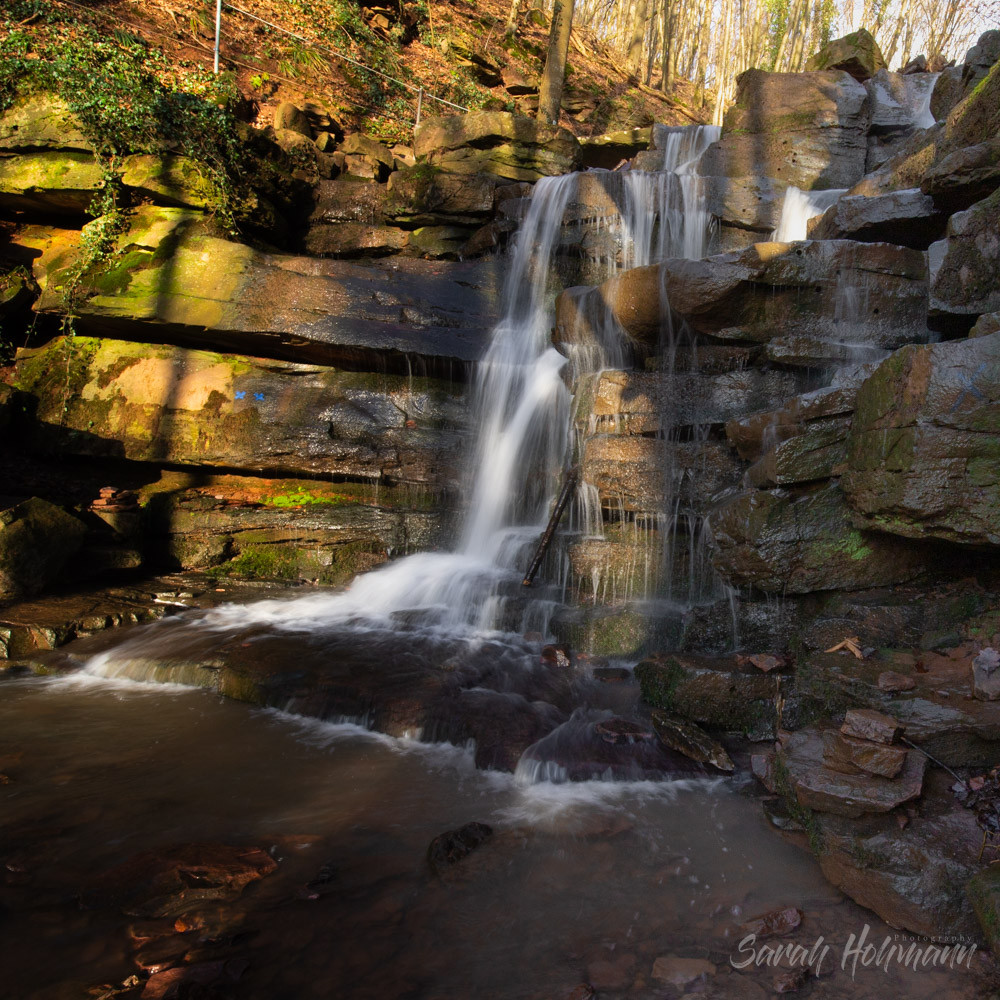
x=37, y=539
x=784, y=542
x=857, y=53
x=172, y=275
x=112, y=398
x=56, y=183
x=906, y=218
x=965, y=265
x=923, y=452
x=496, y=142
x=870, y=295
x=42, y=123
x=802, y=129
x=964, y=177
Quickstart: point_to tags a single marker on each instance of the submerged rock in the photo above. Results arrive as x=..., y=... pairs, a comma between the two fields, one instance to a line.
x=170, y=881
x=449, y=848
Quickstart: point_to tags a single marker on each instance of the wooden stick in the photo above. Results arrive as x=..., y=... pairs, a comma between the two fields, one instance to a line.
x=569, y=484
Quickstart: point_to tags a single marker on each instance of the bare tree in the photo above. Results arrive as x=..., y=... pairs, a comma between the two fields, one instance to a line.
x=554, y=73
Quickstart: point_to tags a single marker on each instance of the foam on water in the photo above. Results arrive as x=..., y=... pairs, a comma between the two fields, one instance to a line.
x=798, y=208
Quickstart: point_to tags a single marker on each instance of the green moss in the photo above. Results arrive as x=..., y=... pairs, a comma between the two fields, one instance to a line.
x=802, y=815
x=304, y=498
x=261, y=562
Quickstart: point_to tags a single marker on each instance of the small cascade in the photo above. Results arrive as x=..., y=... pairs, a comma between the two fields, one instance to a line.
x=798, y=208
x=657, y=550
x=919, y=91
x=665, y=213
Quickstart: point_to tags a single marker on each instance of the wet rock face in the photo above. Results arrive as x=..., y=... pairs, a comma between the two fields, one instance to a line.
x=772, y=293
x=905, y=218
x=198, y=408
x=37, y=539
x=964, y=177
x=798, y=543
x=922, y=452
x=449, y=848
x=496, y=142
x=965, y=266
x=801, y=129
x=714, y=692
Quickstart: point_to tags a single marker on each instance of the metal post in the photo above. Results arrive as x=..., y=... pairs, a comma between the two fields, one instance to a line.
x=218, y=32
x=420, y=103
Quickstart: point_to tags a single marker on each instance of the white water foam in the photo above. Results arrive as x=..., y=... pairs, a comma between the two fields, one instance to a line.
x=798, y=208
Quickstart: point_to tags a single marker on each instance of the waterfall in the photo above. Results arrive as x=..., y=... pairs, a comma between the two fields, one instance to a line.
x=521, y=423
x=919, y=91
x=798, y=208
x=665, y=213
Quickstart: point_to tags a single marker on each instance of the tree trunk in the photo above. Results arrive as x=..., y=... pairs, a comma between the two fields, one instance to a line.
x=634, y=62
x=512, y=17
x=554, y=74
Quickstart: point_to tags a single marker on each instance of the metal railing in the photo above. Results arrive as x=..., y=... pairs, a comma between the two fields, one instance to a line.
x=419, y=90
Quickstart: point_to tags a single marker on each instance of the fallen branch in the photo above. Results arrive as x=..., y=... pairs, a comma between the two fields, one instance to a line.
x=569, y=484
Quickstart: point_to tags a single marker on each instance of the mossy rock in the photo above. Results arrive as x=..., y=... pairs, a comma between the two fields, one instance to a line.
x=41, y=122
x=59, y=183
x=983, y=891
x=713, y=692
x=857, y=53
x=170, y=180
x=924, y=446
x=785, y=542
x=152, y=403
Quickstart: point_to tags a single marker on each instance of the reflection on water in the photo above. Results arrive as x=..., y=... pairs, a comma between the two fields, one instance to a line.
x=580, y=881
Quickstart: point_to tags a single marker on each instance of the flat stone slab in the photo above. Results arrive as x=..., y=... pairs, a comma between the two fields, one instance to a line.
x=818, y=787
x=865, y=724
x=853, y=756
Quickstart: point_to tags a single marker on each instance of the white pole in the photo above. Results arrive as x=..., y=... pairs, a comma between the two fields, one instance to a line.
x=218, y=32
x=420, y=103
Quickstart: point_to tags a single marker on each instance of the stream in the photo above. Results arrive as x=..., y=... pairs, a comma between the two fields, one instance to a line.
x=580, y=882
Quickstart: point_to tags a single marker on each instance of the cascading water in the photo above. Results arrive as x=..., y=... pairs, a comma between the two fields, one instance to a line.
x=665, y=216
x=522, y=441
x=798, y=208
x=665, y=213
x=520, y=412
